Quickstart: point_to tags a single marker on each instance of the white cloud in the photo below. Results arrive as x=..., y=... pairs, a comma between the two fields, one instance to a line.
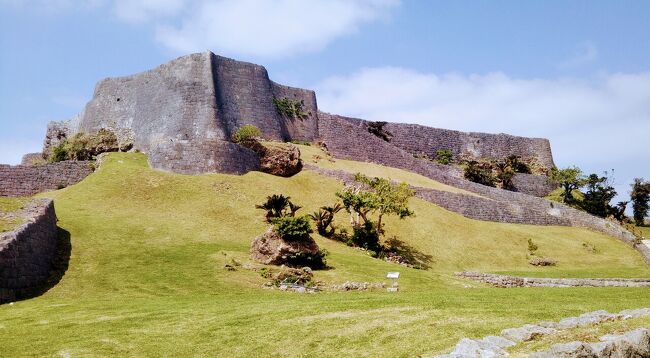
x=598, y=124
x=237, y=28
x=267, y=28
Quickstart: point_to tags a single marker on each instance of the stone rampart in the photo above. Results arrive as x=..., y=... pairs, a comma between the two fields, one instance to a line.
x=27, y=180
x=204, y=98
x=27, y=253
x=536, y=185
x=304, y=129
x=417, y=139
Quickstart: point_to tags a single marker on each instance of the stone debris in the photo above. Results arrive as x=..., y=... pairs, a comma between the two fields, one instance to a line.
x=358, y=286
x=635, y=343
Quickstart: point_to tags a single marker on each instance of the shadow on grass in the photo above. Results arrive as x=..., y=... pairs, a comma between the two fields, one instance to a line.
x=59, y=266
x=414, y=257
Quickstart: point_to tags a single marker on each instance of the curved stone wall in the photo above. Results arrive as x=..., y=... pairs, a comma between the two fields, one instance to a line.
x=28, y=252
x=27, y=180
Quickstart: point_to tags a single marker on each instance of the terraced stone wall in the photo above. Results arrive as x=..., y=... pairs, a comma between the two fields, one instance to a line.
x=27, y=253
x=27, y=180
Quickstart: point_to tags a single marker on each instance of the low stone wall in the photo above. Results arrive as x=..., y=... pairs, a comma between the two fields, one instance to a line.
x=27, y=180
x=505, y=281
x=27, y=252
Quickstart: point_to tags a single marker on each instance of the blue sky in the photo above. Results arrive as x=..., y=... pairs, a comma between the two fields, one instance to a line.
x=576, y=72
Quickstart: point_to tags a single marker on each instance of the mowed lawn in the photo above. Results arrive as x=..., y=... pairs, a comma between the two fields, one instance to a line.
x=146, y=275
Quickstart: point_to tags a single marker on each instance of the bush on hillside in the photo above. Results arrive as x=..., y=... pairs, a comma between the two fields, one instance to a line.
x=480, y=172
x=292, y=228
x=444, y=156
x=246, y=133
x=85, y=146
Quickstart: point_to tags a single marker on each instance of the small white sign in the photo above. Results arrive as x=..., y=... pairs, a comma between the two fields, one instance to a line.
x=393, y=275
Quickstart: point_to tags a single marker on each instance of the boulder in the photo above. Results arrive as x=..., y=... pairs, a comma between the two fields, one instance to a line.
x=270, y=249
x=526, y=333
x=282, y=161
x=568, y=350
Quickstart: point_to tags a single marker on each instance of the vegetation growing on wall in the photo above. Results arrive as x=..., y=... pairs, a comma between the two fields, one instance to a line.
x=377, y=129
x=246, y=133
x=85, y=146
x=289, y=108
x=444, y=156
x=496, y=172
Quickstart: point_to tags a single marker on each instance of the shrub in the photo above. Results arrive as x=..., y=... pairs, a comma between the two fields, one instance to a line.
x=59, y=153
x=292, y=228
x=532, y=247
x=377, y=129
x=366, y=236
x=480, y=172
x=517, y=165
x=444, y=156
x=85, y=146
x=246, y=133
x=290, y=109
x=324, y=219
x=316, y=261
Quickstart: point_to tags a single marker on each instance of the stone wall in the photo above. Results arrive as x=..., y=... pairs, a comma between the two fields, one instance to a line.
x=27, y=253
x=536, y=185
x=417, y=139
x=188, y=157
x=506, y=281
x=305, y=129
x=27, y=180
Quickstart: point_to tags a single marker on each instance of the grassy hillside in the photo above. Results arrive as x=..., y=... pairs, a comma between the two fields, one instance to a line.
x=8, y=206
x=146, y=275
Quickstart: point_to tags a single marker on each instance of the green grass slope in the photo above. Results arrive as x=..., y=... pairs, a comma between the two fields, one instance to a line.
x=146, y=275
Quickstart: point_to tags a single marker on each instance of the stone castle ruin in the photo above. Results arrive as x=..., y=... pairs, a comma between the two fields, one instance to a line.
x=183, y=115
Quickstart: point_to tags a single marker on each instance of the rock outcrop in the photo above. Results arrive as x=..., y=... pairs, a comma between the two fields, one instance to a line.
x=282, y=161
x=271, y=249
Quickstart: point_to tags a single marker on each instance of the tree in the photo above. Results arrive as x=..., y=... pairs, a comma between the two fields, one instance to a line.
x=570, y=178
x=640, y=197
x=324, y=218
x=278, y=205
x=374, y=195
x=598, y=195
